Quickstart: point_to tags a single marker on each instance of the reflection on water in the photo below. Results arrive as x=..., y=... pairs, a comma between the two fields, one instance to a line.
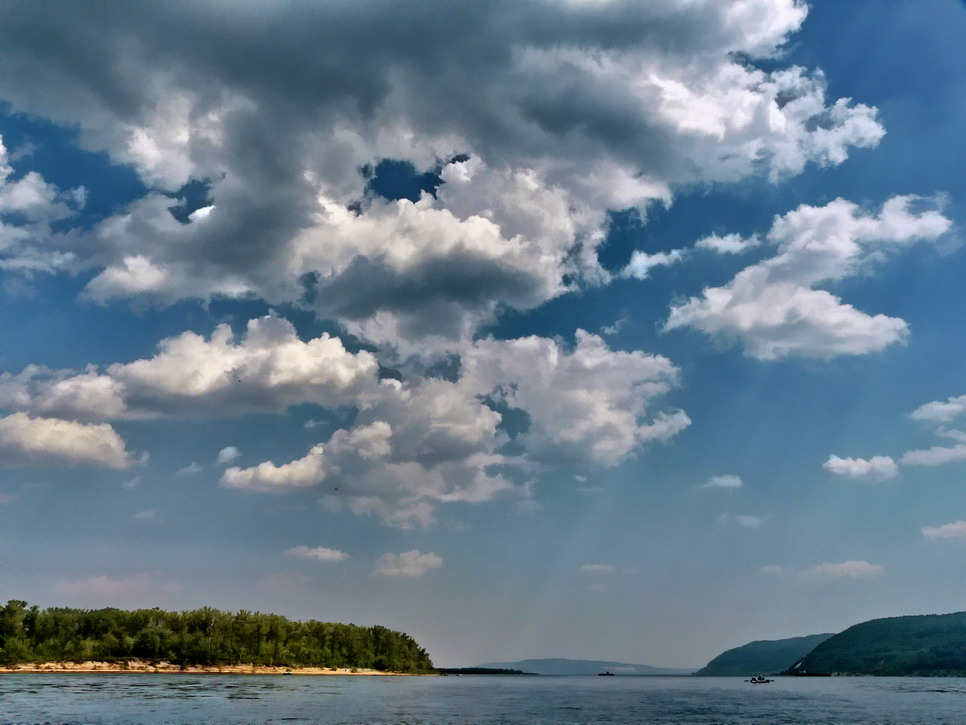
x=147, y=698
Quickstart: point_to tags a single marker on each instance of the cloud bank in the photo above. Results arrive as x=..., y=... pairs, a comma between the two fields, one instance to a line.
x=543, y=117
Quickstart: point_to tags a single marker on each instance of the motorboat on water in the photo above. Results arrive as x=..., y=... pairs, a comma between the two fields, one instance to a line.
x=759, y=680
x=605, y=674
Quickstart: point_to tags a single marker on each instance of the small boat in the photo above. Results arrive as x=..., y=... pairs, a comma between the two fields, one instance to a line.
x=759, y=680
x=605, y=674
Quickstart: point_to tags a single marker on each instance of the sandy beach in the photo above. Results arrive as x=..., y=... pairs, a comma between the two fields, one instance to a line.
x=91, y=667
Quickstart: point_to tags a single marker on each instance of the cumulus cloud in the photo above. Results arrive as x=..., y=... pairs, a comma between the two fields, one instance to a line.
x=940, y=411
x=267, y=476
x=774, y=309
x=318, y=553
x=726, y=481
x=955, y=530
x=850, y=569
x=547, y=117
x=37, y=441
x=415, y=442
x=421, y=442
x=266, y=369
x=588, y=404
x=550, y=115
x=190, y=470
x=409, y=563
x=875, y=469
x=29, y=205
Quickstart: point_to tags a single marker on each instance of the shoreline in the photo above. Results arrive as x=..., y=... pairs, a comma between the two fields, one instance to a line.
x=141, y=667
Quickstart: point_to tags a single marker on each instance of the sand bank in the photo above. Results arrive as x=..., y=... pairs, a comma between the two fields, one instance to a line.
x=166, y=667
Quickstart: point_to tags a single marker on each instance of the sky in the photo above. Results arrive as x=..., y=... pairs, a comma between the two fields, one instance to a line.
x=582, y=328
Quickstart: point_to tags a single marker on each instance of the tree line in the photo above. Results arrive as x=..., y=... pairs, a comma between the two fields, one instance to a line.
x=204, y=636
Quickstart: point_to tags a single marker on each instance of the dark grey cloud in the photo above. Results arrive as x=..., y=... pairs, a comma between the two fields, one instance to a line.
x=571, y=108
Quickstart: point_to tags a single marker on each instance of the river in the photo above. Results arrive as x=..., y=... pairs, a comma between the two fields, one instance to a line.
x=173, y=698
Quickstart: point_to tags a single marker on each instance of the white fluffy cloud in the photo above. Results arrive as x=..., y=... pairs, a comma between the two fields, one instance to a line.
x=28, y=206
x=409, y=563
x=266, y=370
x=317, y=553
x=881, y=468
x=266, y=476
x=431, y=454
x=773, y=308
x=416, y=444
x=641, y=263
x=851, y=569
x=728, y=244
x=875, y=469
x=37, y=441
x=589, y=404
x=941, y=411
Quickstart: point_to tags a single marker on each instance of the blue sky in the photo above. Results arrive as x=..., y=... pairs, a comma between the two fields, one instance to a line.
x=610, y=330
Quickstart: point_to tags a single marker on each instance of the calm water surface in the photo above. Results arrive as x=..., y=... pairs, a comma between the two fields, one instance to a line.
x=122, y=698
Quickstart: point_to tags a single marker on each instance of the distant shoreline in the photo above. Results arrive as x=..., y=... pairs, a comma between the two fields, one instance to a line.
x=138, y=666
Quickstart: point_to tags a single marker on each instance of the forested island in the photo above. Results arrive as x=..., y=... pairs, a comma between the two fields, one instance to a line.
x=203, y=636
x=922, y=645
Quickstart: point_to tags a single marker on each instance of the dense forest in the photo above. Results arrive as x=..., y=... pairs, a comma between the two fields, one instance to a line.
x=929, y=644
x=763, y=657
x=203, y=636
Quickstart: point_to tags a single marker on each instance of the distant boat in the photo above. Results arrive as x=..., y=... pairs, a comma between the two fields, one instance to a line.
x=605, y=674
x=759, y=680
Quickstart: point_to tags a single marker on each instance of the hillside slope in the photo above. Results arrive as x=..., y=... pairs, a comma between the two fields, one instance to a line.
x=929, y=644
x=761, y=657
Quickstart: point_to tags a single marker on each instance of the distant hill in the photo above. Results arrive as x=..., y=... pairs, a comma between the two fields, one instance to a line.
x=762, y=657
x=928, y=644
x=560, y=666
